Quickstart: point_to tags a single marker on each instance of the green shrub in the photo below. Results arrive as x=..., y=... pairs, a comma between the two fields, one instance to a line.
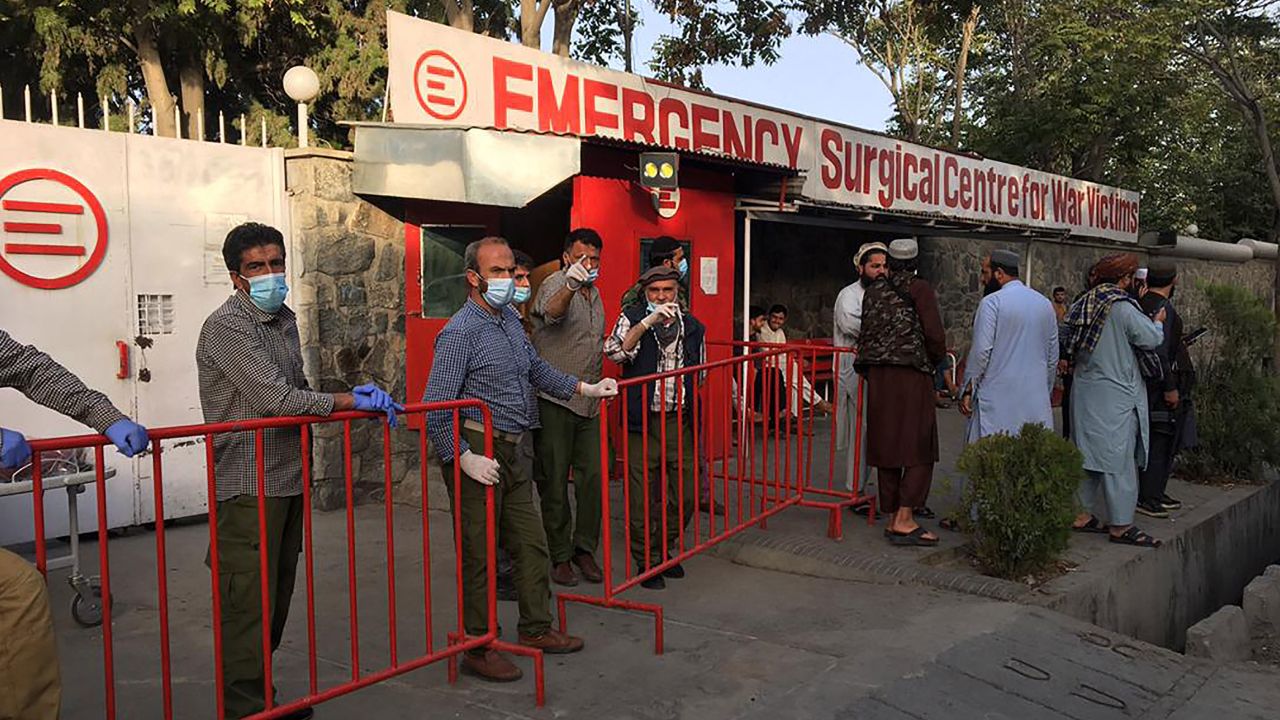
x=1237, y=401
x=1020, y=499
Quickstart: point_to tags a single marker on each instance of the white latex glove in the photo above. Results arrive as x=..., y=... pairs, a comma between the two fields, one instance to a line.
x=576, y=276
x=483, y=470
x=665, y=312
x=606, y=388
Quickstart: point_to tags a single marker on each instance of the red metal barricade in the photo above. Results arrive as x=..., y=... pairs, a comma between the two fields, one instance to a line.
x=457, y=641
x=740, y=455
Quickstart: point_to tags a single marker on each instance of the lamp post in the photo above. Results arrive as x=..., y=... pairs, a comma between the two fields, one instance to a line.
x=302, y=85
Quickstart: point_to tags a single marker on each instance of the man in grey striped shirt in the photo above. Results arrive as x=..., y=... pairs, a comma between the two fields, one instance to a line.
x=249, y=360
x=29, y=667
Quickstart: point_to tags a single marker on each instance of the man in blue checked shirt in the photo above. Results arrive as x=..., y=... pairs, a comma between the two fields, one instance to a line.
x=484, y=353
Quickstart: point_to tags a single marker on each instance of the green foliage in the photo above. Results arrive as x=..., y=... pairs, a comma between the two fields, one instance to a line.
x=1237, y=400
x=1020, y=499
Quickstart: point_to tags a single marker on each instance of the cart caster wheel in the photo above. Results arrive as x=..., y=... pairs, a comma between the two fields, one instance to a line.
x=87, y=609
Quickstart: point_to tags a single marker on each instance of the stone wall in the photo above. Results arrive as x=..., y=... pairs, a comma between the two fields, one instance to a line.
x=953, y=265
x=350, y=303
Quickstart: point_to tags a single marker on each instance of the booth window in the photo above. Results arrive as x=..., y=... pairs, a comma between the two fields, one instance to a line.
x=646, y=246
x=444, y=277
x=155, y=315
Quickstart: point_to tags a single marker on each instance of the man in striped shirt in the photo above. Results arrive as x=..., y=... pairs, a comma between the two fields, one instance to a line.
x=484, y=353
x=249, y=360
x=29, y=682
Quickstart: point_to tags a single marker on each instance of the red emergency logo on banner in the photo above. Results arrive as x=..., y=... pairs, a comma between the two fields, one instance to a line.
x=440, y=84
x=45, y=235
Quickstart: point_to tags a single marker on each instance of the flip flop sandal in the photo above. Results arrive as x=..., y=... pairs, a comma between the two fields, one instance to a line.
x=1093, y=526
x=949, y=524
x=914, y=538
x=864, y=509
x=924, y=512
x=1134, y=536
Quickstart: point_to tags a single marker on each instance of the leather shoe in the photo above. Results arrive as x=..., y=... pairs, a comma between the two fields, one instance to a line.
x=586, y=563
x=675, y=571
x=492, y=666
x=654, y=583
x=553, y=643
x=562, y=574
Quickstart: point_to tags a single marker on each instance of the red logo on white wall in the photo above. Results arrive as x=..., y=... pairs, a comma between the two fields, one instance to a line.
x=440, y=85
x=45, y=244
x=666, y=202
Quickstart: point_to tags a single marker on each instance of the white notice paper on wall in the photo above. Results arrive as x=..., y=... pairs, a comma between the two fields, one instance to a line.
x=216, y=227
x=710, y=275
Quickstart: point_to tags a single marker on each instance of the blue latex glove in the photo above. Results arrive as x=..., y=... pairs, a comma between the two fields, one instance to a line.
x=371, y=398
x=16, y=452
x=129, y=437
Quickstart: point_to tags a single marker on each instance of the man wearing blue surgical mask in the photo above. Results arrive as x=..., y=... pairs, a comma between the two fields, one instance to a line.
x=568, y=330
x=249, y=361
x=483, y=353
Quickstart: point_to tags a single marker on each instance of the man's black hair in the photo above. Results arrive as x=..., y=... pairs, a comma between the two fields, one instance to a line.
x=523, y=259
x=755, y=311
x=778, y=308
x=899, y=265
x=663, y=248
x=245, y=237
x=1010, y=270
x=586, y=236
x=1060, y=289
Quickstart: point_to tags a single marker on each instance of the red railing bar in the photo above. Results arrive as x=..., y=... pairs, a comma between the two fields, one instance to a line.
x=309, y=554
x=162, y=584
x=426, y=544
x=261, y=459
x=104, y=569
x=214, y=573
x=351, y=551
x=391, y=542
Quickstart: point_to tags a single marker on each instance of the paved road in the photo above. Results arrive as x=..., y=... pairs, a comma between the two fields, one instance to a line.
x=741, y=643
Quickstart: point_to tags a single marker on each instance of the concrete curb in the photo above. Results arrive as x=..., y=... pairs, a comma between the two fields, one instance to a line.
x=819, y=557
x=1222, y=636
x=1261, y=604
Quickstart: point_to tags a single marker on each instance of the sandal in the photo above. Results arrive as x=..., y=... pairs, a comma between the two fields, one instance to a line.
x=915, y=537
x=924, y=512
x=1134, y=536
x=863, y=509
x=1093, y=526
x=949, y=524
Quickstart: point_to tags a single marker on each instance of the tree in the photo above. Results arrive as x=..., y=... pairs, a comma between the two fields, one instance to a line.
x=743, y=33
x=1238, y=42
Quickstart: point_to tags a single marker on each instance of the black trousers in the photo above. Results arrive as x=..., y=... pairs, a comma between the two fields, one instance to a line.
x=1154, y=479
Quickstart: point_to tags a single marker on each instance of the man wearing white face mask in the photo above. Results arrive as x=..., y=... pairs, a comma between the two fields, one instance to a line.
x=483, y=353
x=249, y=361
x=568, y=330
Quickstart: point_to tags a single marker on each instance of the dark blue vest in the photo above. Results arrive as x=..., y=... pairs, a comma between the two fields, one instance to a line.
x=646, y=363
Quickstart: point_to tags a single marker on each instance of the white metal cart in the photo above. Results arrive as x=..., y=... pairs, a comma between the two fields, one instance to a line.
x=72, y=473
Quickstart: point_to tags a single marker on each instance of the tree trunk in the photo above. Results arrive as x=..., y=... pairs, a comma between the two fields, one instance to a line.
x=962, y=62
x=460, y=14
x=191, y=82
x=566, y=14
x=153, y=75
x=532, y=13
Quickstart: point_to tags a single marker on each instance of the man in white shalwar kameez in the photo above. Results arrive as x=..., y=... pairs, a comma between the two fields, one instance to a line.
x=1013, y=358
x=872, y=262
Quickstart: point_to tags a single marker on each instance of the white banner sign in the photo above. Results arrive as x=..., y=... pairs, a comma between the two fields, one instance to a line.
x=443, y=76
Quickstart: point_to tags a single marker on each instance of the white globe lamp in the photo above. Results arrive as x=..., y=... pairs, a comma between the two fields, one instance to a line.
x=302, y=85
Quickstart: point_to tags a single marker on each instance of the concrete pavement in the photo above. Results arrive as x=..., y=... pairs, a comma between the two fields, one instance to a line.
x=741, y=642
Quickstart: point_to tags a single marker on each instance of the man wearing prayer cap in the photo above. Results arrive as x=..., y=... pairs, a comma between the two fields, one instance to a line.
x=1110, y=343
x=1013, y=358
x=900, y=344
x=872, y=264
x=1170, y=416
x=653, y=335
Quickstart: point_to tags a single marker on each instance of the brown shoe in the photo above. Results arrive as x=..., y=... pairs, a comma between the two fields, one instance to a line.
x=562, y=574
x=586, y=562
x=492, y=666
x=553, y=643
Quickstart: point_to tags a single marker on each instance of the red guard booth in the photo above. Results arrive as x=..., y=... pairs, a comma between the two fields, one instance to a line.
x=453, y=186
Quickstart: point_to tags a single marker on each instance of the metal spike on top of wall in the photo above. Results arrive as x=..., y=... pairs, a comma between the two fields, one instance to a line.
x=26, y=101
